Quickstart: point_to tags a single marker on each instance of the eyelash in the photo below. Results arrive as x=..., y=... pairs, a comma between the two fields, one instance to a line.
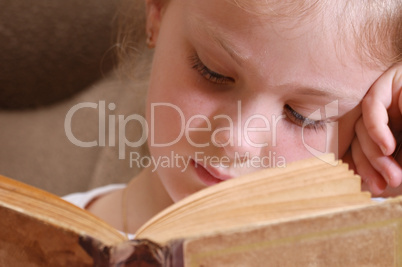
x=207, y=73
x=217, y=78
x=302, y=121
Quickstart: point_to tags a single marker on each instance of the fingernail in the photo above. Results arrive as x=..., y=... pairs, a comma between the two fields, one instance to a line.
x=383, y=149
x=386, y=178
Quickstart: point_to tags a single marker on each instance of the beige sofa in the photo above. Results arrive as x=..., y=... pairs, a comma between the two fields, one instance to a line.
x=55, y=55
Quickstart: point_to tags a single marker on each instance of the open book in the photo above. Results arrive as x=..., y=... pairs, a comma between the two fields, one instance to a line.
x=310, y=212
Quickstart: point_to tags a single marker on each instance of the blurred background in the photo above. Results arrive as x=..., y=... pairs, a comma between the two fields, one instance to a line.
x=55, y=54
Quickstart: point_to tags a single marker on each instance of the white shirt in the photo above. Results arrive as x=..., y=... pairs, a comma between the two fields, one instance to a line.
x=82, y=199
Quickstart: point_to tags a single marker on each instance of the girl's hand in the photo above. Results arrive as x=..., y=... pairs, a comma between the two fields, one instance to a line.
x=378, y=135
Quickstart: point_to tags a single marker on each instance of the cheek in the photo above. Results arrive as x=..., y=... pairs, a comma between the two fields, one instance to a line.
x=164, y=122
x=172, y=107
x=294, y=143
x=335, y=138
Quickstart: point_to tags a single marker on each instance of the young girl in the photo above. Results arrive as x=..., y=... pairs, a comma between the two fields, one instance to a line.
x=239, y=85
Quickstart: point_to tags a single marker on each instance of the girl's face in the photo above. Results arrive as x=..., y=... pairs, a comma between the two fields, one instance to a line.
x=232, y=92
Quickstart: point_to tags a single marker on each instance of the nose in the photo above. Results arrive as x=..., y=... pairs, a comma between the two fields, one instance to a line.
x=242, y=133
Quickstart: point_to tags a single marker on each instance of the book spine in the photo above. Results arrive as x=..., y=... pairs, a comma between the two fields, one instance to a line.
x=134, y=253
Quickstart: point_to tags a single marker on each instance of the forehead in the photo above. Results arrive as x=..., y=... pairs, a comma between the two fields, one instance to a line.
x=299, y=43
x=280, y=9
x=255, y=35
x=274, y=9
x=366, y=29
x=250, y=16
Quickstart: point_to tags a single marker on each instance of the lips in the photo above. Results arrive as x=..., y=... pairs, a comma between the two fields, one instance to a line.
x=209, y=175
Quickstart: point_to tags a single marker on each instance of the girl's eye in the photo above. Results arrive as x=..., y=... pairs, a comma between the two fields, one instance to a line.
x=208, y=74
x=302, y=121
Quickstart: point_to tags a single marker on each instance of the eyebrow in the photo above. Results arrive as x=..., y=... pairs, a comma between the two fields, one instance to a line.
x=232, y=53
x=217, y=38
x=315, y=92
x=320, y=92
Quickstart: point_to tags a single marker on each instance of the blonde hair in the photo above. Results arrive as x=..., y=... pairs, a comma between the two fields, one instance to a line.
x=133, y=57
x=381, y=30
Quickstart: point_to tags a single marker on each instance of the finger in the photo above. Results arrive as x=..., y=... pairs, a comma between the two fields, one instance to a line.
x=400, y=93
x=398, y=152
x=347, y=158
x=395, y=111
x=385, y=165
x=375, y=112
x=370, y=177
